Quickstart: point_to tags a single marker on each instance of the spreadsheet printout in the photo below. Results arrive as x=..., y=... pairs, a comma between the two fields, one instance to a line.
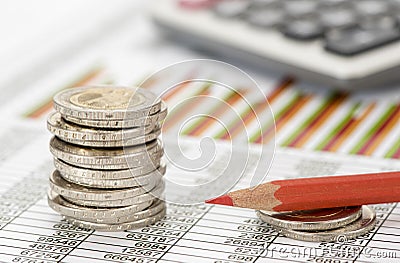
x=312, y=119
x=31, y=232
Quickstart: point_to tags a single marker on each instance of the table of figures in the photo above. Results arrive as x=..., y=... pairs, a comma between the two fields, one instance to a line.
x=31, y=232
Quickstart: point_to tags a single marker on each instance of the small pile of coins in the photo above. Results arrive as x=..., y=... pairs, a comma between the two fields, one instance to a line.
x=322, y=225
x=107, y=155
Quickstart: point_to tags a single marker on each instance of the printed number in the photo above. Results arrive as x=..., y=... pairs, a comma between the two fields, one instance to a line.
x=28, y=260
x=241, y=258
x=128, y=258
x=61, y=241
x=69, y=234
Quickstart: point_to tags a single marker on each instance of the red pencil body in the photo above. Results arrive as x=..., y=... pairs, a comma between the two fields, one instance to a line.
x=337, y=191
x=318, y=192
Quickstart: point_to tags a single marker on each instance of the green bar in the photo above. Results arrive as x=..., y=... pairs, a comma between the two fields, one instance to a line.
x=338, y=128
x=69, y=85
x=178, y=108
x=198, y=122
x=277, y=117
x=393, y=150
x=219, y=134
x=372, y=131
x=296, y=133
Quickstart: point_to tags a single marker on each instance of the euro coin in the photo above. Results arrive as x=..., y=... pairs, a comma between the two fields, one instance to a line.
x=68, y=189
x=318, y=219
x=151, y=120
x=75, y=171
x=109, y=158
x=106, y=102
x=361, y=226
x=117, y=227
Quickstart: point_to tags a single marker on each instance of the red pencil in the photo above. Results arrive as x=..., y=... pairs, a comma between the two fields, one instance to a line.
x=317, y=192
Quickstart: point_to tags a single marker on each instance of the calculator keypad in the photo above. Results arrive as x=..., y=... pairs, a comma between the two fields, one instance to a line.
x=345, y=27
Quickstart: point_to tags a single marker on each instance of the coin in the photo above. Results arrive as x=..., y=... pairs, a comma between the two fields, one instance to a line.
x=62, y=206
x=106, y=103
x=357, y=228
x=71, y=170
x=109, y=173
x=151, y=120
x=108, y=158
x=69, y=131
x=156, y=193
x=145, y=179
x=117, y=227
x=126, y=142
x=106, y=215
x=68, y=189
x=307, y=220
x=154, y=209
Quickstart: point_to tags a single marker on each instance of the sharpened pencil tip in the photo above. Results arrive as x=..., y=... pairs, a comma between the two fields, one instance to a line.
x=221, y=200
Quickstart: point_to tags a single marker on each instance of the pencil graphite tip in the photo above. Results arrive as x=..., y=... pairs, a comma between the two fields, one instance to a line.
x=221, y=200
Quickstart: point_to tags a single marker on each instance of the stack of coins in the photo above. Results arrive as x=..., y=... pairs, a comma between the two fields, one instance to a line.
x=322, y=225
x=107, y=155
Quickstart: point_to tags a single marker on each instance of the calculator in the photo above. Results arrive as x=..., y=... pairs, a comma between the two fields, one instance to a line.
x=344, y=44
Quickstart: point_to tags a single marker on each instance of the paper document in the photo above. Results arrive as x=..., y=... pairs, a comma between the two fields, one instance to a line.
x=31, y=232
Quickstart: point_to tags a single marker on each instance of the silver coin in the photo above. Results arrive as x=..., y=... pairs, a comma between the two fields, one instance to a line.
x=126, y=142
x=151, y=120
x=156, y=193
x=106, y=102
x=69, y=131
x=67, y=189
x=106, y=158
x=154, y=209
x=318, y=219
x=64, y=207
x=145, y=179
x=59, y=145
x=357, y=228
x=117, y=227
x=71, y=170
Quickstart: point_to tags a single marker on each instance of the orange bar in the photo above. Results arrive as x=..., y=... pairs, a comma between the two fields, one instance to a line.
x=48, y=105
x=351, y=128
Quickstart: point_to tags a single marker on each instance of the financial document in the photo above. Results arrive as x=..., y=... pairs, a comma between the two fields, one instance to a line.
x=31, y=232
x=123, y=48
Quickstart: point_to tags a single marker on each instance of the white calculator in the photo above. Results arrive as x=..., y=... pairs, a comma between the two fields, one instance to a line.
x=344, y=44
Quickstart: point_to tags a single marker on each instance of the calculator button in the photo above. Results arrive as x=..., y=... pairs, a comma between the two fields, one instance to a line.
x=356, y=40
x=231, y=8
x=385, y=22
x=333, y=3
x=303, y=29
x=300, y=8
x=264, y=3
x=337, y=18
x=265, y=17
x=371, y=7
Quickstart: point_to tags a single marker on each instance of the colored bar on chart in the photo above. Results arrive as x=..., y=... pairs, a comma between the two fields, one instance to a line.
x=251, y=112
x=177, y=90
x=218, y=110
x=382, y=131
x=315, y=121
x=284, y=116
x=367, y=139
x=339, y=130
x=397, y=154
x=179, y=111
x=394, y=151
x=45, y=106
